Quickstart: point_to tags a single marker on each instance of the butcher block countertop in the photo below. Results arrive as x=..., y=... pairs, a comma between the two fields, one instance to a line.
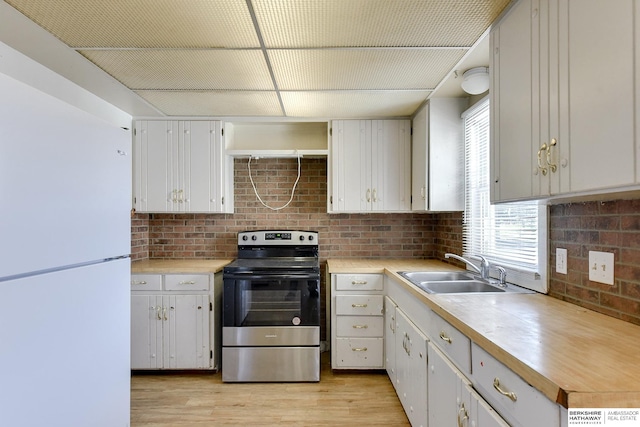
x=577, y=357
x=162, y=266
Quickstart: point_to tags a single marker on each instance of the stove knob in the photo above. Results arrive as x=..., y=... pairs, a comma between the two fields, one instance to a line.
x=254, y=237
x=311, y=237
x=301, y=237
x=245, y=238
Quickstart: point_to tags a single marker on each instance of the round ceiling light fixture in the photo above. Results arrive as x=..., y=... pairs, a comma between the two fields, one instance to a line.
x=475, y=80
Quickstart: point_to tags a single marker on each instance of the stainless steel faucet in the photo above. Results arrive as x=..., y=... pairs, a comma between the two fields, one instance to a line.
x=466, y=261
x=484, y=268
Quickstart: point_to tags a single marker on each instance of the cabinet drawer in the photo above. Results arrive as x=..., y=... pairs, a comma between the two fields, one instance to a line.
x=186, y=282
x=359, y=352
x=517, y=402
x=454, y=343
x=359, y=326
x=146, y=282
x=359, y=305
x=359, y=282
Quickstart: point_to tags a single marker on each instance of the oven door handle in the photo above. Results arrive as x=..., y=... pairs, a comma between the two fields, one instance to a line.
x=254, y=276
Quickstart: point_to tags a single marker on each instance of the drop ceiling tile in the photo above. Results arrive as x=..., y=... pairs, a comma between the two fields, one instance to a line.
x=185, y=69
x=214, y=103
x=144, y=23
x=320, y=69
x=374, y=23
x=360, y=104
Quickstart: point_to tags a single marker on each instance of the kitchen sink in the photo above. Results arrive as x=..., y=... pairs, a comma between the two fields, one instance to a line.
x=458, y=287
x=457, y=282
x=435, y=276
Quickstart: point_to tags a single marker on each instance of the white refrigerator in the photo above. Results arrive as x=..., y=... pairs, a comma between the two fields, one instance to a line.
x=65, y=188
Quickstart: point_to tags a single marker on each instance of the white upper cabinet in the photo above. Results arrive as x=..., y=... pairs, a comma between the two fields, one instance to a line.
x=370, y=162
x=179, y=166
x=437, y=182
x=562, y=99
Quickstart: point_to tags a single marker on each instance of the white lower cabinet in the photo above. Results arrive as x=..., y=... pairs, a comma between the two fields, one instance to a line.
x=411, y=369
x=518, y=402
x=390, y=338
x=357, y=321
x=452, y=400
x=172, y=322
x=170, y=332
x=444, y=379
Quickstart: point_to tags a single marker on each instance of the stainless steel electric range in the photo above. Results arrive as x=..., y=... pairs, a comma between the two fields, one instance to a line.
x=271, y=308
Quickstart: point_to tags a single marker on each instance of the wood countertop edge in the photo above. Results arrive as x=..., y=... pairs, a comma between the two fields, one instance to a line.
x=551, y=389
x=178, y=266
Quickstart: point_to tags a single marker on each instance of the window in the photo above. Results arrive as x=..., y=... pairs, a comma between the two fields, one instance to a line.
x=512, y=235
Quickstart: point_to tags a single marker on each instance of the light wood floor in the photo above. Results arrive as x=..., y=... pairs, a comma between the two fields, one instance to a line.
x=201, y=399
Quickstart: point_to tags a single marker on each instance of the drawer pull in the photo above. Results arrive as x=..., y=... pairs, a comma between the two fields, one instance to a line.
x=138, y=282
x=359, y=282
x=359, y=305
x=511, y=395
x=445, y=338
x=359, y=349
x=360, y=326
x=187, y=282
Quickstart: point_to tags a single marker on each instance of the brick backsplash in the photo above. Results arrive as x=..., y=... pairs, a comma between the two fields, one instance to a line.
x=611, y=226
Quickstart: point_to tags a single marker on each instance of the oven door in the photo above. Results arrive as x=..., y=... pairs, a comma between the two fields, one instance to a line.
x=271, y=299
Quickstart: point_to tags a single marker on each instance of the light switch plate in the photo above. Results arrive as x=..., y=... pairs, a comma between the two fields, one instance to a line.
x=601, y=267
x=561, y=261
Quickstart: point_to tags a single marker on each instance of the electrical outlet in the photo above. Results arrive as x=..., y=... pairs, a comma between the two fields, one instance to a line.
x=561, y=261
x=601, y=267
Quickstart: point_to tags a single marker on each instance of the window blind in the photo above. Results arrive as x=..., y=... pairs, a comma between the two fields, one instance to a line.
x=506, y=234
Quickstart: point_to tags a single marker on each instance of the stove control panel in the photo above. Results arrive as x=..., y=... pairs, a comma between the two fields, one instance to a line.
x=277, y=238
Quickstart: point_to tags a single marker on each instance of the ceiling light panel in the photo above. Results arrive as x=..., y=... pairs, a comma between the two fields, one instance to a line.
x=291, y=23
x=185, y=69
x=214, y=103
x=321, y=69
x=360, y=104
x=144, y=23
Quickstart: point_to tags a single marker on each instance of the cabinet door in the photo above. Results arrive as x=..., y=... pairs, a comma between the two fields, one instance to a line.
x=443, y=385
x=514, y=56
x=411, y=363
x=420, y=160
x=390, y=338
x=186, y=331
x=154, y=173
x=350, y=158
x=146, y=332
x=201, y=176
x=391, y=165
x=596, y=65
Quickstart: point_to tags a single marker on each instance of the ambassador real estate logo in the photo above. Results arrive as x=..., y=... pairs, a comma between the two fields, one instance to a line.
x=603, y=417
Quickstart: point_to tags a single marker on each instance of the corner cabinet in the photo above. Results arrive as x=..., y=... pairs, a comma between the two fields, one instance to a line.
x=563, y=115
x=180, y=166
x=173, y=321
x=437, y=182
x=370, y=166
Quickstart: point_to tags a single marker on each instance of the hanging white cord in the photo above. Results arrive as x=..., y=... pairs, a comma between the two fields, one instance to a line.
x=293, y=190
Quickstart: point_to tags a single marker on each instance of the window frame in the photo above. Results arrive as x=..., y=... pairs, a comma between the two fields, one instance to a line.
x=530, y=278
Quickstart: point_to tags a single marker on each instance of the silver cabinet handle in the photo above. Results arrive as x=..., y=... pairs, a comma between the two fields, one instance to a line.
x=358, y=305
x=444, y=337
x=360, y=326
x=138, y=282
x=359, y=282
x=511, y=395
x=359, y=349
x=187, y=282
x=164, y=313
x=368, y=195
x=158, y=313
